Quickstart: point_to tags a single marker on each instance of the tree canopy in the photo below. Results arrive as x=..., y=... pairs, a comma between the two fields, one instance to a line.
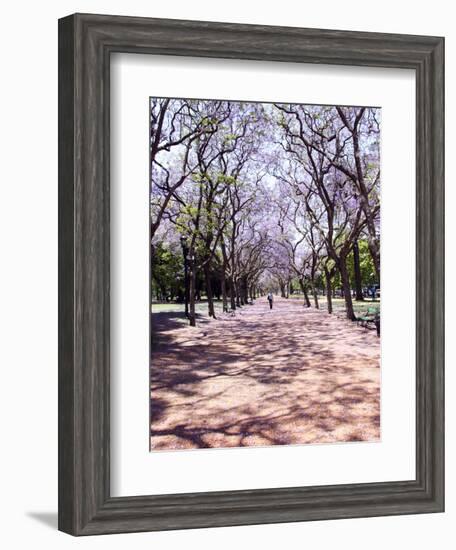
x=251, y=197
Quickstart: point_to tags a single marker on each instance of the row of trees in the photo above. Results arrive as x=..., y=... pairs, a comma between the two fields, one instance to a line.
x=260, y=195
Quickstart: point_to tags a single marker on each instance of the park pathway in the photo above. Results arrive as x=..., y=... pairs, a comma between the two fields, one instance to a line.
x=287, y=376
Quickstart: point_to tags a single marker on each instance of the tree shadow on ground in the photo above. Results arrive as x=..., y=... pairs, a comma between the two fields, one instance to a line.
x=262, y=382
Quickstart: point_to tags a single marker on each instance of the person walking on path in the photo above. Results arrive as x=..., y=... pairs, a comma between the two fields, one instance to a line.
x=270, y=300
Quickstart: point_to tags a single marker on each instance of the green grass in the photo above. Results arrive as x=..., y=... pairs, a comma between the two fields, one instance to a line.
x=200, y=307
x=339, y=303
x=167, y=307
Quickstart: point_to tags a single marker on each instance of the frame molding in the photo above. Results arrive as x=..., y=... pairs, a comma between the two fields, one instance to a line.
x=85, y=45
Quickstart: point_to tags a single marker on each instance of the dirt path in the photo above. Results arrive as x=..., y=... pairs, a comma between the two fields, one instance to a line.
x=287, y=376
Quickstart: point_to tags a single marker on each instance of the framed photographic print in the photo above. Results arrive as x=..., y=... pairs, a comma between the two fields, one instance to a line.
x=250, y=274
x=252, y=205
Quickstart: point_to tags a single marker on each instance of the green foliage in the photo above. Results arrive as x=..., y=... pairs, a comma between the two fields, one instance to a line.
x=366, y=265
x=368, y=276
x=228, y=138
x=227, y=180
x=167, y=271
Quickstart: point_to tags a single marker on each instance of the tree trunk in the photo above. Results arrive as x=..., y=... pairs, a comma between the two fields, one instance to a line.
x=375, y=255
x=328, y=291
x=315, y=296
x=232, y=294
x=245, y=290
x=197, y=288
x=304, y=291
x=191, y=295
x=238, y=295
x=346, y=287
x=163, y=293
x=210, y=297
x=186, y=286
x=223, y=285
x=306, y=297
x=358, y=283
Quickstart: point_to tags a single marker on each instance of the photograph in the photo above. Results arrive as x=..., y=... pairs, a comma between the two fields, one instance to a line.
x=264, y=274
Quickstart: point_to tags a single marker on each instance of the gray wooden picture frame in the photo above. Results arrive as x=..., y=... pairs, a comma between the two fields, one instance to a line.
x=85, y=45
